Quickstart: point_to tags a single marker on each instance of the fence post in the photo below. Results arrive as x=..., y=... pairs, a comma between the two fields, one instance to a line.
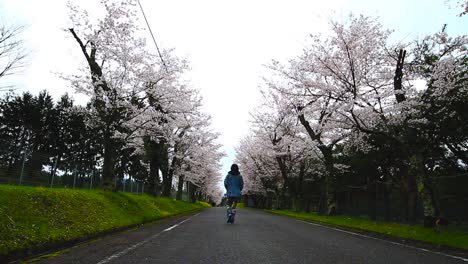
x=143, y=188
x=137, y=188
x=124, y=184
x=53, y=173
x=22, y=168
x=131, y=185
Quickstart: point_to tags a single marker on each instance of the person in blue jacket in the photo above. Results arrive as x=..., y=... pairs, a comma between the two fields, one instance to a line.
x=234, y=185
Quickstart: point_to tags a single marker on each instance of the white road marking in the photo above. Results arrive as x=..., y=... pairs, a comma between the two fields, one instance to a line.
x=391, y=242
x=125, y=251
x=176, y=225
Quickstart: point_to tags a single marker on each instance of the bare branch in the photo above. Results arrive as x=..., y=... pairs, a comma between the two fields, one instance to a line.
x=12, y=53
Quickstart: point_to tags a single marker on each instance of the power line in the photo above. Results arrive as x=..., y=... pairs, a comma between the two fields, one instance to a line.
x=151, y=32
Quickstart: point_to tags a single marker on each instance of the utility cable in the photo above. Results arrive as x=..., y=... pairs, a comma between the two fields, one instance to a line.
x=151, y=32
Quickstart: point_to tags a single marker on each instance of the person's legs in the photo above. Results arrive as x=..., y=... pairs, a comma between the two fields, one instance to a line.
x=229, y=208
x=229, y=205
x=229, y=201
x=234, y=202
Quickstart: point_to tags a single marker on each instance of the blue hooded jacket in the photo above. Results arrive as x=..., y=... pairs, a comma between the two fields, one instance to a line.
x=234, y=185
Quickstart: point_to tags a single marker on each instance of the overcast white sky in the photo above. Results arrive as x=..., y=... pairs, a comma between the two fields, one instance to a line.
x=226, y=42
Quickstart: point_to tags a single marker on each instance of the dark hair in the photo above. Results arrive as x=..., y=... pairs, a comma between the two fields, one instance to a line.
x=234, y=170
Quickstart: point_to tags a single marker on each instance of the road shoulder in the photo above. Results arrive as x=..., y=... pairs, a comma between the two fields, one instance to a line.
x=100, y=243
x=423, y=245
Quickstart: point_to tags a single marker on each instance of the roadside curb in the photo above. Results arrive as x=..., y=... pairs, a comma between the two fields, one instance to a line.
x=36, y=251
x=456, y=251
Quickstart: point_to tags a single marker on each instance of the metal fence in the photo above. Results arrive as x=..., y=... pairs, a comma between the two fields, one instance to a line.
x=45, y=170
x=70, y=181
x=31, y=171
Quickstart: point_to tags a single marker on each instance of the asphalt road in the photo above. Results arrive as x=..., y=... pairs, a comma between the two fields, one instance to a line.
x=256, y=237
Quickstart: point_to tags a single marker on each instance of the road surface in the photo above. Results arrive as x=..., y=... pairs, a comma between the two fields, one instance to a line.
x=256, y=237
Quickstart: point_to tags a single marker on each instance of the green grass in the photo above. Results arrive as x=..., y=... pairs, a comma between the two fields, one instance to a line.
x=456, y=236
x=31, y=216
x=240, y=205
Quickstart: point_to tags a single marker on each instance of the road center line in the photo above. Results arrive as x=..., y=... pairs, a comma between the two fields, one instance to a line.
x=125, y=251
x=391, y=242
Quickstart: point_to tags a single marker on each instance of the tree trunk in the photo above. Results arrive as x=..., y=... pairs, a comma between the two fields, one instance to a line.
x=108, y=115
x=387, y=209
x=154, y=177
x=180, y=187
x=412, y=196
x=34, y=165
x=121, y=175
x=307, y=206
x=280, y=160
x=427, y=193
x=192, y=189
x=167, y=184
x=175, y=163
x=372, y=199
x=157, y=155
x=108, y=165
x=162, y=157
x=330, y=192
x=11, y=169
x=299, y=194
x=398, y=77
x=167, y=187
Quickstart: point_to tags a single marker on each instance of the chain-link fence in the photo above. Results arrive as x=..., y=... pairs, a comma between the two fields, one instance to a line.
x=40, y=169
x=43, y=169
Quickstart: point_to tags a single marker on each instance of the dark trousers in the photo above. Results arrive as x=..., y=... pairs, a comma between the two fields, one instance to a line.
x=232, y=201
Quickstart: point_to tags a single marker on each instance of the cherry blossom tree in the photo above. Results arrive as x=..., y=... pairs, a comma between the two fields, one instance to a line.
x=275, y=156
x=339, y=83
x=141, y=101
x=353, y=86
x=112, y=54
x=200, y=161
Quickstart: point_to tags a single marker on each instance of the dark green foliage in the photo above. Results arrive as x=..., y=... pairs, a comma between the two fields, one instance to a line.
x=26, y=125
x=40, y=139
x=41, y=133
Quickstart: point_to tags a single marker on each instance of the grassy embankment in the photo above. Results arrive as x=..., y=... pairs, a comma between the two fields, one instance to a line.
x=31, y=217
x=454, y=235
